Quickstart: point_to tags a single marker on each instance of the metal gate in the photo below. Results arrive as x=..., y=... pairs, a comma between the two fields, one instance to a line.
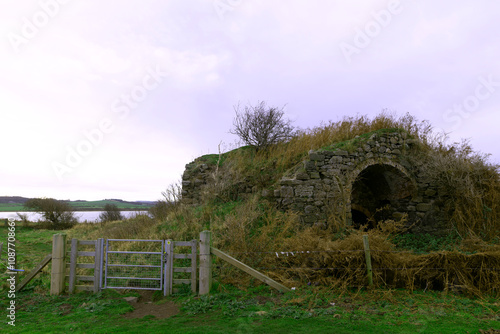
x=134, y=264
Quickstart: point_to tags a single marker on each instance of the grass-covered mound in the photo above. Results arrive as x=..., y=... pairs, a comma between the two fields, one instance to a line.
x=470, y=182
x=254, y=231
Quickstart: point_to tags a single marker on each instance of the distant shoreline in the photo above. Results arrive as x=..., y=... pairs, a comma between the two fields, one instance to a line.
x=16, y=204
x=78, y=209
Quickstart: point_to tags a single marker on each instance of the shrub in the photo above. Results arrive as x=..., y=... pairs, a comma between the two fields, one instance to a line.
x=110, y=213
x=57, y=214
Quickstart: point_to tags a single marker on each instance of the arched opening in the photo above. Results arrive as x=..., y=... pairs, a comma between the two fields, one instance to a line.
x=381, y=190
x=359, y=218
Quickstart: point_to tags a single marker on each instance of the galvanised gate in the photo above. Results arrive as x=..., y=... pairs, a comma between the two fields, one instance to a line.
x=134, y=264
x=148, y=264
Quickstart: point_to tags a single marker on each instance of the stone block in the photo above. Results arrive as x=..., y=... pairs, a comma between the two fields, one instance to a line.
x=310, y=219
x=341, y=153
x=310, y=209
x=335, y=160
x=302, y=176
x=277, y=193
x=320, y=195
x=310, y=165
x=303, y=191
x=290, y=182
x=424, y=207
x=316, y=157
x=314, y=175
x=430, y=192
x=286, y=191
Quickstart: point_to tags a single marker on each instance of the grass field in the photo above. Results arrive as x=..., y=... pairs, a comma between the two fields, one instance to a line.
x=259, y=309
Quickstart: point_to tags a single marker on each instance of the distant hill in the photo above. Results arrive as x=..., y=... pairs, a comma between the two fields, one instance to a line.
x=13, y=199
x=15, y=203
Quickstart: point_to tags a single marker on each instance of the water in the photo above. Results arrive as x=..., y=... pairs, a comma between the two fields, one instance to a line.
x=89, y=216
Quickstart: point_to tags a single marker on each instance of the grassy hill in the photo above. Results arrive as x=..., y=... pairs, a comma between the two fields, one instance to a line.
x=15, y=203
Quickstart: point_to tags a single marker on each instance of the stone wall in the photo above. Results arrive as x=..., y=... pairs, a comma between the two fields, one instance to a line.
x=375, y=180
x=195, y=176
x=373, y=176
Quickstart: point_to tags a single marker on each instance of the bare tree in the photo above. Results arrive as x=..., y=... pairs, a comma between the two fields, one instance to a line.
x=261, y=126
x=171, y=198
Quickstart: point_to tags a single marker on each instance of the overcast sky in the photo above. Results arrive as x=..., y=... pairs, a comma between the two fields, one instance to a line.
x=110, y=99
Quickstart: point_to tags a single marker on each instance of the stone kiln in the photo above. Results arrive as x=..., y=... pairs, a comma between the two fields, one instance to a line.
x=369, y=178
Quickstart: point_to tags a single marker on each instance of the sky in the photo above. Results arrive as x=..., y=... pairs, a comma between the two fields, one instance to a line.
x=111, y=99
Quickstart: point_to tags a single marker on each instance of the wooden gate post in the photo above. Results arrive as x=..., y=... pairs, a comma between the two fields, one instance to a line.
x=169, y=267
x=72, y=265
x=58, y=274
x=205, y=263
x=368, y=259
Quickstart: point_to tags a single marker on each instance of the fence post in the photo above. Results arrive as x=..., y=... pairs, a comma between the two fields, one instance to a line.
x=101, y=268
x=58, y=273
x=205, y=263
x=72, y=265
x=194, y=253
x=368, y=258
x=97, y=265
x=169, y=265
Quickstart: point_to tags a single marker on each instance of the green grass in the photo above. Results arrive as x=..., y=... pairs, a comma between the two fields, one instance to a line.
x=352, y=144
x=425, y=243
x=12, y=207
x=258, y=309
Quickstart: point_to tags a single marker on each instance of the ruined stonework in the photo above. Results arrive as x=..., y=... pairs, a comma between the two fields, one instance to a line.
x=369, y=178
x=375, y=181
x=194, y=177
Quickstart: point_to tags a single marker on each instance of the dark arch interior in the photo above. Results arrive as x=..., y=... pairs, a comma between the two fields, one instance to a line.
x=359, y=218
x=381, y=190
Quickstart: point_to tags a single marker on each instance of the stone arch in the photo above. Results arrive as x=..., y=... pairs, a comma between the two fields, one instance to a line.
x=378, y=189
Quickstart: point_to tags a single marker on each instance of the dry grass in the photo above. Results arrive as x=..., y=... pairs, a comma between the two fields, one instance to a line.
x=469, y=185
x=340, y=264
x=253, y=230
x=285, y=155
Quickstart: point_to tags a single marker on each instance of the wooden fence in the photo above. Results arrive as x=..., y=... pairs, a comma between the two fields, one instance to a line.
x=66, y=267
x=75, y=280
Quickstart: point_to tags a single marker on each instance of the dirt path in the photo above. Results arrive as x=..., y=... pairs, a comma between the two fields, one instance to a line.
x=144, y=306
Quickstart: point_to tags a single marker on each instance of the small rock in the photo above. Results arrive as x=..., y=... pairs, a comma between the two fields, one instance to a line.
x=131, y=299
x=261, y=313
